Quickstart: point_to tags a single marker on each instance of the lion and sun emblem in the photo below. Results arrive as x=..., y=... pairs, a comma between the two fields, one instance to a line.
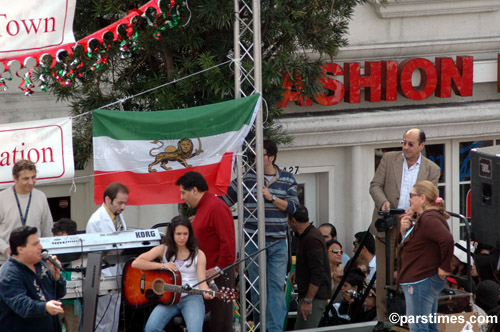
x=181, y=153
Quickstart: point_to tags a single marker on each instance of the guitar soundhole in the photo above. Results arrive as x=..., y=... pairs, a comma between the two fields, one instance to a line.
x=158, y=286
x=151, y=296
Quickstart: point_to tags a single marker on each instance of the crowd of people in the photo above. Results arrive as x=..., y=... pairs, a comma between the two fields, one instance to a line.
x=333, y=287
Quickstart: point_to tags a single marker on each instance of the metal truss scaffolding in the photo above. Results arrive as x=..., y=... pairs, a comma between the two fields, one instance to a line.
x=248, y=80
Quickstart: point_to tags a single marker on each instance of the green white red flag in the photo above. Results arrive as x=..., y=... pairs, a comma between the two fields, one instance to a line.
x=149, y=151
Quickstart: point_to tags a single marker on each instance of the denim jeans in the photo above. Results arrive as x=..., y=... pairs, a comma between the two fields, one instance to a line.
x=191, y=307
x=276, y=263
x=421, y=300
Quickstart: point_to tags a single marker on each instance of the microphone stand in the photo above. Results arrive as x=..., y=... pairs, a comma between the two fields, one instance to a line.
x=467, y=240
x=221, y=272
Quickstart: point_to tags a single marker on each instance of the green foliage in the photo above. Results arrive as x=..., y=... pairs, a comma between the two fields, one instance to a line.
x=292, y=30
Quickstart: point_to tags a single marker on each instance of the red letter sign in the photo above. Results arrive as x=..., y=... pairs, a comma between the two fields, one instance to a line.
x=428, y=78
x=457, y=76
x=354, y=81
x=335, y=88
x=293, y=92
x=389, y=80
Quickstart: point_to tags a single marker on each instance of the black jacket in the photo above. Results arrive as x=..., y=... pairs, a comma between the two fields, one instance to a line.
x=312, y=265
x=23, y=295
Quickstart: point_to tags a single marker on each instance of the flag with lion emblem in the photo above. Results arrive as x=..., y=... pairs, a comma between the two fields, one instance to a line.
x=149, y=151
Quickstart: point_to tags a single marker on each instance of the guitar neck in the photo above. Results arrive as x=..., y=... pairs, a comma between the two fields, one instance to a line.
x=180, y=289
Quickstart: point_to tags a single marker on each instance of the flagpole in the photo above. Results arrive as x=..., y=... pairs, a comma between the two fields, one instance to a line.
x=257, y=55
x=242, y=48
x=239, y=175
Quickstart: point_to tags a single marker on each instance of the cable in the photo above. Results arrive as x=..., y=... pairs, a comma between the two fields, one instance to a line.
x=155, y=88
x=117, y=266
x=105, y=310
x=80, y=311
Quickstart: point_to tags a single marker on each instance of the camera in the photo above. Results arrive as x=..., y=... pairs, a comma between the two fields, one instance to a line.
x=388, y=220
x=354, y=294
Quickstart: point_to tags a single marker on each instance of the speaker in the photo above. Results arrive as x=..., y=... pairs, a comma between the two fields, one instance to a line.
x=485, y=194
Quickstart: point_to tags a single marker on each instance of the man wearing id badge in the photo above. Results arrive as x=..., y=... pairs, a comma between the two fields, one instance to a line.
x=23, y=205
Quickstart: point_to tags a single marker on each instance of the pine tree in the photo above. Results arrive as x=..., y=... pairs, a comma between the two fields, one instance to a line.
x=292, y=30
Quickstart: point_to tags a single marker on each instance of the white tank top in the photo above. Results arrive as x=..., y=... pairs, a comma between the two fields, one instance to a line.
x=186, y=268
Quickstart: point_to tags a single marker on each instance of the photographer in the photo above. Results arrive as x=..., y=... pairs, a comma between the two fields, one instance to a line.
x=351, y=291
x=369, y=311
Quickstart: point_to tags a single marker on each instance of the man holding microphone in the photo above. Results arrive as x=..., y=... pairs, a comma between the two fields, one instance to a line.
x=30, y=288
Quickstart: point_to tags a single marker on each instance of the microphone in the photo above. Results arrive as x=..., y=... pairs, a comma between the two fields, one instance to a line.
x=212, y=283
x=213, y=286
x=414, y=219
x=46, y=257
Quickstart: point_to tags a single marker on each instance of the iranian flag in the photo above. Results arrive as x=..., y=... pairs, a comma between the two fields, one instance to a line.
x=149, y=151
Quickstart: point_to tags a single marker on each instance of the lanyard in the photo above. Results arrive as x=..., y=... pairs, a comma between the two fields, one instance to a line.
x=23, y=219
x=407, y=233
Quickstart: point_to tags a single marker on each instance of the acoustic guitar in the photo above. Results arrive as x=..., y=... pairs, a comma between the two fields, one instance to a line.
x=144, y=287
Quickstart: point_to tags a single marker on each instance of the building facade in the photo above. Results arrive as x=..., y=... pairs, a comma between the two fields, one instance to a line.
x=410, y=63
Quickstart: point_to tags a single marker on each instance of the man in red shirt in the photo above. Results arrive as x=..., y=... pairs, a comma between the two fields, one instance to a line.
x=213, y=226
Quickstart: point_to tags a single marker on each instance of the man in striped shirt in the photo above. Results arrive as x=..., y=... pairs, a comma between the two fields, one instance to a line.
x=280, y=194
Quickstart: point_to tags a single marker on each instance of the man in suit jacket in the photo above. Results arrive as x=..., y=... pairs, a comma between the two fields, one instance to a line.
x=394, y=178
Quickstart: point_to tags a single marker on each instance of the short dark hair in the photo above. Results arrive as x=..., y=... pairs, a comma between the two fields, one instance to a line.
x=192, y=179
x=422, y=136
x=332, y=241
x=369, y=241
x=482, y=246
x=23, y=165
x=113, y=189
x=271, y=149
x=64, y=225
x=333, y=230
x=356, y=277
x=301, y=215
x=19, y=237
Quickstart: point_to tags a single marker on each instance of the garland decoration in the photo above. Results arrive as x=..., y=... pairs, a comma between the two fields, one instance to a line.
x=66, y=63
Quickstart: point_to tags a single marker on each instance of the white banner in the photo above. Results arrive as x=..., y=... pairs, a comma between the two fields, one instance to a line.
x=32, y=25
x=48, y=143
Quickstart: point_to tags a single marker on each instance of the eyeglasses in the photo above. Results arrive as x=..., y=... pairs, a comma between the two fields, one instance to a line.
x=336, y=251
x=410, y=144
x=414, y=195
x=371, y=295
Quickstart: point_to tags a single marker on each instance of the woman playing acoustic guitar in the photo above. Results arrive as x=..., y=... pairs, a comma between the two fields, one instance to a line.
x=179, y=252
